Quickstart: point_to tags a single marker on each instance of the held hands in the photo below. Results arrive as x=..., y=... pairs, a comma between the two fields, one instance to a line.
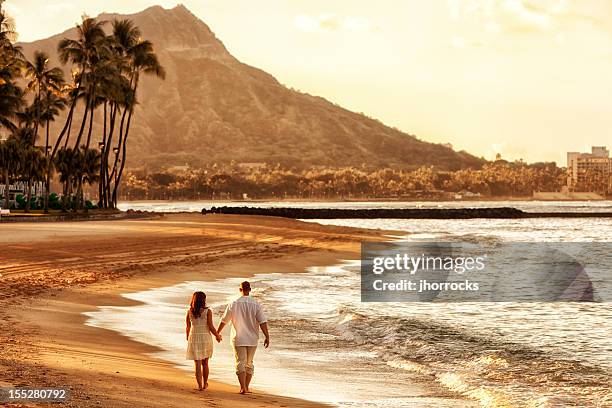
x=218, y=337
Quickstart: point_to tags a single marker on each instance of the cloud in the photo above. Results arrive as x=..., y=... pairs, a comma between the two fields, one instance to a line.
x=461, y=42
x=520, y=14
x=507, y=14
x=543, y=16
x=332, y=22
x=503, y=24
x=458, y=42
x=12, y=9
x=58, y=8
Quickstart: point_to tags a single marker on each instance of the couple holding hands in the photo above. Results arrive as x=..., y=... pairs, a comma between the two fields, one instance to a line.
x=246, y=317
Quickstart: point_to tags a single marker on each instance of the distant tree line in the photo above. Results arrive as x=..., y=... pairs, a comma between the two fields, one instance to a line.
x=105, y=75
x=495, y=179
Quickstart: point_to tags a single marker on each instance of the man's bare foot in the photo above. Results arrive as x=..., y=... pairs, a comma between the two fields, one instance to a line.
x=206, y=386
x=242, y=391
x=248, y=391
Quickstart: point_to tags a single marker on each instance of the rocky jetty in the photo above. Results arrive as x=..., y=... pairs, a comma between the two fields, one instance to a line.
x=418, y=213
x=406, y=213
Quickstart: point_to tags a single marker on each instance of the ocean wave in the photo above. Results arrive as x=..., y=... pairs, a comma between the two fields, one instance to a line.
x=485, y=369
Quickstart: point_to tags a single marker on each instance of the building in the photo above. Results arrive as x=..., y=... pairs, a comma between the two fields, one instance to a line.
x=590, y=171
x=252, y=166
x=20, y=188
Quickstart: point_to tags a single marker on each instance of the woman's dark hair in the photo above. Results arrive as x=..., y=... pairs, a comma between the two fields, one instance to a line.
x=198, y=303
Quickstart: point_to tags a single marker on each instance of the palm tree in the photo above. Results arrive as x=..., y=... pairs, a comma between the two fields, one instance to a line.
x=65, y=166
x=33, y=164
x=9, y=164
x=54, y=104
x=42, y=80
x=82, y=53
x=11, y=100
x=87, y=165
x=8, y=35
x=86, y=52
x=118, y=94
x=115, y=95
x=11, y=96
x=142, y=59
x=24, y=135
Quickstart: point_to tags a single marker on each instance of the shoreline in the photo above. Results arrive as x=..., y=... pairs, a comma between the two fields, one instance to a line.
x=319, y=213
x=83, y=216
x=105, y=368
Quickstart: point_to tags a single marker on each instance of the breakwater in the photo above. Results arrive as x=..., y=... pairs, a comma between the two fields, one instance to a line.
x=405, y=213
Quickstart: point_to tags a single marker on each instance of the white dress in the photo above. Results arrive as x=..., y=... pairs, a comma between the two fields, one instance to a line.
x=200, y=342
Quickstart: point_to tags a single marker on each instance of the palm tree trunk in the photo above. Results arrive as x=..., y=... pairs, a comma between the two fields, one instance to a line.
x=119, y=146
x=79, y=194
x=127, y=132
x=69, y=131
x=83, y=123
x=123, y=155
x=6, y=189
x=28, y=195
x=67, y=126
x=91, y=114
x=71, y=186
x=47, y=124
x=102, y=180
x=104, y=159
x=133, y=80
x=47, y=186
x=37, y=117
x=65, y=201
x=47, y=139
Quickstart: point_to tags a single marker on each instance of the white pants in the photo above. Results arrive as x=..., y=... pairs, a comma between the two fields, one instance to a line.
x=244, y=359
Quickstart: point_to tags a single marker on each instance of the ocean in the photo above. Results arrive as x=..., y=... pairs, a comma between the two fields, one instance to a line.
x=328, y=346
x=197, y=206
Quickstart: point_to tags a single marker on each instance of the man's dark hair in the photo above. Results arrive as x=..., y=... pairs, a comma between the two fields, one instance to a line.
x=245, y=286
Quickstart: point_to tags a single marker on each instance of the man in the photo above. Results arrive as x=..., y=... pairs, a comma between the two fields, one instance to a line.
x=247, y=317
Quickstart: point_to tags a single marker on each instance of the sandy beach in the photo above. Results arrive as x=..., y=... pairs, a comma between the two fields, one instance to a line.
x=54, y=272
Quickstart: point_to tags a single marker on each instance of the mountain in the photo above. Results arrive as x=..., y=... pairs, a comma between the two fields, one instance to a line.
x=214, y=108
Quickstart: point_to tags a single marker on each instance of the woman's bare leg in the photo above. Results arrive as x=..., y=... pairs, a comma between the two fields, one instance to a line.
x=205, y=371
x=198, y=373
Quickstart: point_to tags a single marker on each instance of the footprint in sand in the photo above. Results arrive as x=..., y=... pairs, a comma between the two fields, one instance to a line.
x=211, y=402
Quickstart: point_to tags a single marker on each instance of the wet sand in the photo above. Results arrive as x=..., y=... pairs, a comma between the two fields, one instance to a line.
x=54, y=272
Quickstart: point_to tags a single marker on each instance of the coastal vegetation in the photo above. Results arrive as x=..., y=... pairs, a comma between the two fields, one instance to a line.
x=233, y=181
x=106, y=71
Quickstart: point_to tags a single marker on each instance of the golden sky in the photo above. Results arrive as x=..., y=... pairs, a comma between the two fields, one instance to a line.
x=529, y=79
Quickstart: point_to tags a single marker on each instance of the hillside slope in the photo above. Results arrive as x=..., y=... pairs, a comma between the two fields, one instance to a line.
x=213, y=108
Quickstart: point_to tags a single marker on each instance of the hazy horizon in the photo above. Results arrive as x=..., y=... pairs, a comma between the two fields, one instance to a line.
x=527, y=79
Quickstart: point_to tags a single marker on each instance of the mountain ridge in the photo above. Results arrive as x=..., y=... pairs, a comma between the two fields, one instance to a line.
x=214, y=108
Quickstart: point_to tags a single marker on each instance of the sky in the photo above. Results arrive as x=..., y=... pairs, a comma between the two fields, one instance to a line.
x=529, y=79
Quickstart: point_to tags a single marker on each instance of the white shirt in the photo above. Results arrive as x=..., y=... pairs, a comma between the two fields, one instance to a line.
x=246, y=314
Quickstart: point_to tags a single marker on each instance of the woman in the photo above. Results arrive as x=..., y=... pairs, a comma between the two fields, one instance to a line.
x=199, y=340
